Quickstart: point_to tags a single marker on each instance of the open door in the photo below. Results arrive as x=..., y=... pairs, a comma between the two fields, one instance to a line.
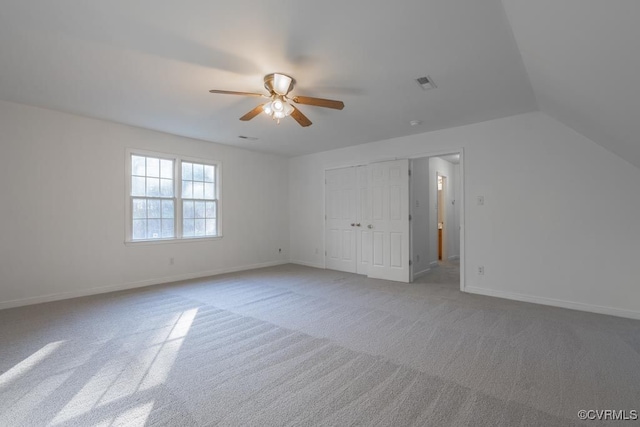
x=389, y=223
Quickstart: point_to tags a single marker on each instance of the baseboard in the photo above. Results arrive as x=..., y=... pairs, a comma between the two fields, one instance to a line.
x=433, y=264
x=307, y=264
x=421, y=273
x=454, y=257
x=131, y=285
x=619, y=312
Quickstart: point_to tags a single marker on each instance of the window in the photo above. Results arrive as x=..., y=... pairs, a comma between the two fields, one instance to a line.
x=198, y=200
x=172, y=198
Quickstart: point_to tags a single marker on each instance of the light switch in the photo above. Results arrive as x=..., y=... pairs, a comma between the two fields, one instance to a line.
x=480, y=200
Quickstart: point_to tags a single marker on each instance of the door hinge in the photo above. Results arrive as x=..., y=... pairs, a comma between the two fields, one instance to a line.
x=409, y=172
x=409, y=217
x=325, y=253
x=325, y=217
x=410, y=262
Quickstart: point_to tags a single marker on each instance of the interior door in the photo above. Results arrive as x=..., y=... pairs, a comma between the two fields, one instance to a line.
x=389, y=225
x=340, y=211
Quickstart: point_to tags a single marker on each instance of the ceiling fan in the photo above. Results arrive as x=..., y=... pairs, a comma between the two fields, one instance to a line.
x=278, y=106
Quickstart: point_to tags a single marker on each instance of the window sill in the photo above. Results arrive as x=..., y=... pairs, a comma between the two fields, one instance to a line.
x=169, y=241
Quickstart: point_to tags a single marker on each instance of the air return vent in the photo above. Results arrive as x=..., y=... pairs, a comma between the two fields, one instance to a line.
x=248, y=138
x=426, y=83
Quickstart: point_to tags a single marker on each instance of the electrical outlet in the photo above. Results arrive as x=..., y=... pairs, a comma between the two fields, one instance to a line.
x=280, y=250
x=480, y=200
x=481, y=270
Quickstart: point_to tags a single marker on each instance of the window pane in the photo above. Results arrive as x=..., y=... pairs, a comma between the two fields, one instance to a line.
x=139, y=208
x=209, y=173
x=166, y=169
x=187, y=227
x=137, y=186
x=199, y=209
x=167, y=228
x=153, y=229
x=198, y=190
x=167, y=209
x=209, y=190
x=153, y=167
x=211, y=227
x=153, y=208
x=139, y=229
x=211, y=210
x=200, y=227
x=187, y=189
x=166, y=188
x=187, y=209
x=153, y=187
x=137, y=166
x=187, y=171
x=198, y=172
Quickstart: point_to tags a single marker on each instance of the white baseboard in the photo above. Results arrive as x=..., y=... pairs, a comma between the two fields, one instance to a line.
x=620, y=312
x=433, y=264
x=131, y=285
x=307, y=264
x=421, y=273
x=454, y=257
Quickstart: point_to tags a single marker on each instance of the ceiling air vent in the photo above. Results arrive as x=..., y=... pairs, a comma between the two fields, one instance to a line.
x=426, y=83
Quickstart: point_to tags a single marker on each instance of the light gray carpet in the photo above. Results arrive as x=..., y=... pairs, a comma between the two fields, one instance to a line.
x=292, y=345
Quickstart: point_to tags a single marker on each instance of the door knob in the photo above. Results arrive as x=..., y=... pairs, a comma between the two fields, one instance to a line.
x=358, y=225
x=370, y=226
x=353, y=224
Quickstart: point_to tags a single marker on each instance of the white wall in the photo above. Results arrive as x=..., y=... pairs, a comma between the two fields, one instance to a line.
x=546, y=233
x=62, y=209
x=420, y=215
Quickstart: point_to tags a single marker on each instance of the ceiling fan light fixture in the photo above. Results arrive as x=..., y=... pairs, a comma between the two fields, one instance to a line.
x=288, y=109
x=277, y=105
x=279, y=115
x=281, y=83
x=267, y=108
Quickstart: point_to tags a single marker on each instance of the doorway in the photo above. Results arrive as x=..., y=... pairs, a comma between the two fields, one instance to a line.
x=437, y=220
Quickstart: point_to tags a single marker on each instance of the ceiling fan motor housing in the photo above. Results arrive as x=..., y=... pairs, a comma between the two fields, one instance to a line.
x=277, y=83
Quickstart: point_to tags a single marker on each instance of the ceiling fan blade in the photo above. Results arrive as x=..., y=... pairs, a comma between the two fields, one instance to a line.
x=319, y=102
x=230, y=92
x=300, y=118
x=251, y=114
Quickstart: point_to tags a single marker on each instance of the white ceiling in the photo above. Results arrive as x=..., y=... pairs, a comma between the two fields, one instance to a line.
x=151, y=64
x=583, y=59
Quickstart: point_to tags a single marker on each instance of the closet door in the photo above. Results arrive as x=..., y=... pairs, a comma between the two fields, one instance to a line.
x=340, y=216
x=389, y=224
x=363, y=234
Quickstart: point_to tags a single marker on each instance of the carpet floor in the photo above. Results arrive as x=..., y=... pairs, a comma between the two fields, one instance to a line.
x=292, y=345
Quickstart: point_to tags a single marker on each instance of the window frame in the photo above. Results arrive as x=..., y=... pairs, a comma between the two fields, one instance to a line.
x=177, y=197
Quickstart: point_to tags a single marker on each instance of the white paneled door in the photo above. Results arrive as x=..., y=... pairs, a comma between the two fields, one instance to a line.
x=340, y=210
x=363, y=217
x=388, y=184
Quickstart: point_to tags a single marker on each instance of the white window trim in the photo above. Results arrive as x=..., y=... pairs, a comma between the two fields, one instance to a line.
x=177, y=197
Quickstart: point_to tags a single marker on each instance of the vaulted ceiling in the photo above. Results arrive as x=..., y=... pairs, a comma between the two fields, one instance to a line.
x=583, y=60
x=151, y=63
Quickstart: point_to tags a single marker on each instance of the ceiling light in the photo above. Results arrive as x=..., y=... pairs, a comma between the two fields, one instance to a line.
x=267, y=108
x=288, y=109
x=281, y=84
x=277, y=105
